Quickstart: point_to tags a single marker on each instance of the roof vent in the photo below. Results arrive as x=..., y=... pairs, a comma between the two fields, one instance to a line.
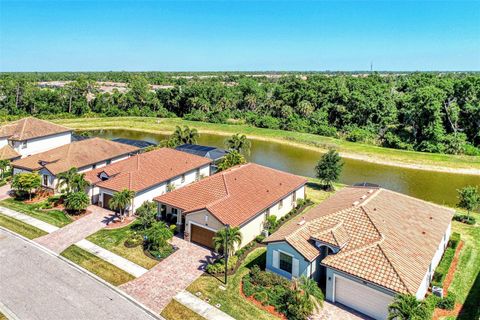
x=370, y=191
x=355, y=203
x=423, y=232
x=301, y=222
x=363, y=197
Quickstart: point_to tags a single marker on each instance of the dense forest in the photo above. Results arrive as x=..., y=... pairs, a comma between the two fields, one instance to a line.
x=429, y=112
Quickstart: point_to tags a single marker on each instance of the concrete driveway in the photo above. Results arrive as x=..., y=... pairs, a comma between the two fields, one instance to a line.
x=35, y=284
x=61, y=239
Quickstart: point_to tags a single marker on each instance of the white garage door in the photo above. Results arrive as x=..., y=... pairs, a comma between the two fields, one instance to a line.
x=368, y=301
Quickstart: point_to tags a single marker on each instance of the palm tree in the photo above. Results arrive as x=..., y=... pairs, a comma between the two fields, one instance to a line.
x=185, y=135
x=65, y=180
x=239, y=143
x=232, y=158
x=311, y=290
x=76, y=201
x=407, y=307
x=4, y=164
x=234, y=239
x=120, y=201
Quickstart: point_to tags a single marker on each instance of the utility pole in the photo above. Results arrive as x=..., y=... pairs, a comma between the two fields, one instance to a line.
x=225, y=251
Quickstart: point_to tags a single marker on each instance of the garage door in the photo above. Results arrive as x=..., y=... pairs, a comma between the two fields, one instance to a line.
x=362, y=298
x=106, y=200
x=202, y=236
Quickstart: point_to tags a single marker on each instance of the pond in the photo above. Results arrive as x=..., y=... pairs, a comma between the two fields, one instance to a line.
x=438, y=187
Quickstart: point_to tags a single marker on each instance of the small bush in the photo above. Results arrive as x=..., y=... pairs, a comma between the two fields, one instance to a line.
x=260, y=238
x=444, y=265
x=248, y=288
x=454, y=240
x=447, y=303
x=261, y=296
x=219, y=265
x=134, y=240
x=464, y=218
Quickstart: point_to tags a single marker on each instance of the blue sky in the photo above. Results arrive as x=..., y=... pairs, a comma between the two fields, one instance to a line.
x=239, y=35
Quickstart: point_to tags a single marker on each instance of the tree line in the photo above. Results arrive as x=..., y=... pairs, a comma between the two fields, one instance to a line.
x=428, y=112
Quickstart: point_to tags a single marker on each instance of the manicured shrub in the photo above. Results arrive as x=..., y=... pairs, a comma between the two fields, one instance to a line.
x=447, y=303
x=259, y=238
x=248, y=288
x=444, y=265
x=219, y=265
x=133, y=240
x=464, y=219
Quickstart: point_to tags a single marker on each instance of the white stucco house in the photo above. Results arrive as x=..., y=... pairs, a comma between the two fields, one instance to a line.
x=85, y=155
x=29, y=136
x=364, y=245
x=148, y=174
x=242, y=196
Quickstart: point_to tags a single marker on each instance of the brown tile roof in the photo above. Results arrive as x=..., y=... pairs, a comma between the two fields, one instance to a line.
x=29, y=128
x=76, y=154
x=146, y=169
x=384, y=237
x=235, y=195
x=8, y=153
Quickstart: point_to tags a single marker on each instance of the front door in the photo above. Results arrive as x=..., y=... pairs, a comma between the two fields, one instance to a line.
x=106, y=200
x=45, y=180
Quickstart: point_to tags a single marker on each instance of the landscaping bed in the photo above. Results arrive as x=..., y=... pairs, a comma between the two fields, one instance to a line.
x=442, y=269
x=100, y=267
x=20, y=227
x=39, y=210
x=115, y=240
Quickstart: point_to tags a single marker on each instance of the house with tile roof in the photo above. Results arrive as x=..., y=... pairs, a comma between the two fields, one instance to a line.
x=149, y=174
x=30, y=136
x=364, y=245
x=242, y=196
x=85, y=155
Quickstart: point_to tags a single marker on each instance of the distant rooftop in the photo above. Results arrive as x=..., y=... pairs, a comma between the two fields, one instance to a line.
x=212, y=153
x=136, y=143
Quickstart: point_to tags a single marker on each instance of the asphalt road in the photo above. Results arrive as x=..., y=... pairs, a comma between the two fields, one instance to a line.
x=35, y=284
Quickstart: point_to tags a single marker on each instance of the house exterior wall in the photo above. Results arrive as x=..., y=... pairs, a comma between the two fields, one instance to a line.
x=202, y=218
x=422, y=290
x=42, y=144
x=305, y=267
x=287, y=203
x=3, y=142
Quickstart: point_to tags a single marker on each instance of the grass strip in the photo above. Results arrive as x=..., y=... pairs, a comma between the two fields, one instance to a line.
x=94, y=264
x=54, y=217
x=20, y=227
x=177, y=311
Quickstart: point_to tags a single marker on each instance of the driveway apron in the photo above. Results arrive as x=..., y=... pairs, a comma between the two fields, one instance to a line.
x=160, y=284
x=61, y=239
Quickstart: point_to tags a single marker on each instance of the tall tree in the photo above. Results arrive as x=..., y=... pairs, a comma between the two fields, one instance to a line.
x=329, y=168
x=71, y=181
x=4, y=164
x=26, y=182
x=238, y=142
x=469, y=199
x=146, y=214
x=231, y=236
x=185, y=135
x=232, y=159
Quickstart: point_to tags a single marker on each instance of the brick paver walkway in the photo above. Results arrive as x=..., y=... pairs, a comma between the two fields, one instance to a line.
x=4, y=191
x=61, y=239
x=158, y=286
x=334, y=311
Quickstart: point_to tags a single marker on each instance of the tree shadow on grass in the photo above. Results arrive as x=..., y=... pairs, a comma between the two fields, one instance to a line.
x=471, y=307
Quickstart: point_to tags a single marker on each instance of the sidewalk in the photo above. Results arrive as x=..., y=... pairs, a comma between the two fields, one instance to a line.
x=116, y=260
x=202, y=308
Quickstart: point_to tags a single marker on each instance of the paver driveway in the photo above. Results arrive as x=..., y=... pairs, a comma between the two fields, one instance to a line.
x=334, y=311
x=61, y=239
x=37, y=285
x=158, y=286
x=5, y=192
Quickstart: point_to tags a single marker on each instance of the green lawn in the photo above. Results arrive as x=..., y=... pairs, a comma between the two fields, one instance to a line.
x=101, y=268
x=55, y=217
x=20, y=227
x=232, y=302
x=466, y=281
x=349, y=149
x=177, y=311
x=114, y=240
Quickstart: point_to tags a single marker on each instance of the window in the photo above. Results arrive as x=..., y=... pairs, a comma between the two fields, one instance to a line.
x=183, y=178
x=24, y=144
x=197, y=174
x=109, y=161
x=45, y=180
x=174, y=211
x=280, y=204
x=94, y=166
x=285, y=262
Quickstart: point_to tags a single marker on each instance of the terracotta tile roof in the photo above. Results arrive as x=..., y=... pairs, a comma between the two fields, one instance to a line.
x=8, y=153
x=76, y=154
x=146, y=169
x=235, y=195
x=384, y=237
x=29, y=128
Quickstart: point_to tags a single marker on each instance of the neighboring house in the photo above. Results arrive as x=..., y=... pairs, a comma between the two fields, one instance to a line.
x=148, y=174
x=364, y=245
x=213, y=153
x=84, y=155
x=30, y=136
x=242, y=196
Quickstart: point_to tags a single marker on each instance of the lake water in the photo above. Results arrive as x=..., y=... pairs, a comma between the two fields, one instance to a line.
x=428, y=185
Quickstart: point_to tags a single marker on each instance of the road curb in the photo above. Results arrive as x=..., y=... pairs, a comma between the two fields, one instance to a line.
x=85, y=271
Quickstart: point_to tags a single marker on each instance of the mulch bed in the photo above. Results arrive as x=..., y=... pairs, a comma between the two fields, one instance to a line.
x=74, y=216
x=269, y=309
x=116, y=223
x=446, y=284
